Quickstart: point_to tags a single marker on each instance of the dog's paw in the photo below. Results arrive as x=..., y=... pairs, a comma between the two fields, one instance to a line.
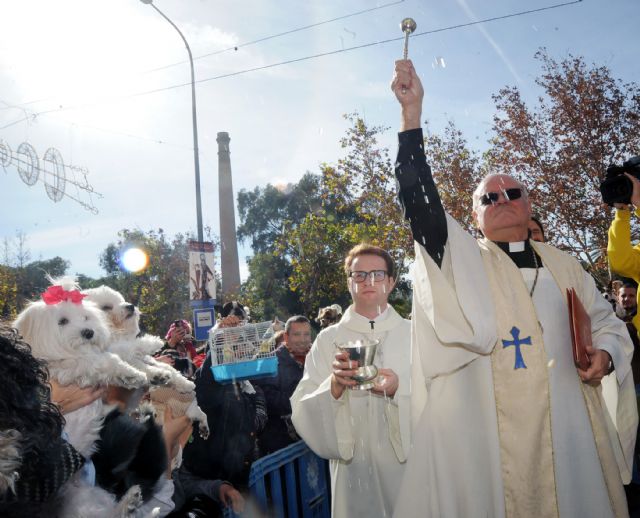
x=183, y=385
x=203, y=430
x=132, y=379
x=159, y=377
x=129, y=503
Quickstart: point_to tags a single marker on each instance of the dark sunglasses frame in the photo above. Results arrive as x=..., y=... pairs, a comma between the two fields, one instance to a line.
x=489, y=198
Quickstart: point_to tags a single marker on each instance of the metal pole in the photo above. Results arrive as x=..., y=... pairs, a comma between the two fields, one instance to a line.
x=196, y=155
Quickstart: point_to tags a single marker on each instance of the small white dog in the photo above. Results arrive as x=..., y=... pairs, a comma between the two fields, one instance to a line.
x=168, y=386
x=72, y=337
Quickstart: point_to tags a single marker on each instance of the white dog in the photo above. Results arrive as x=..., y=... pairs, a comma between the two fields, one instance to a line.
x=72, y=336
x=168, y=386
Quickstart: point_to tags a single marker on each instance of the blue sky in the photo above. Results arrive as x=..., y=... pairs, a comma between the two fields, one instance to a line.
x=81, y=60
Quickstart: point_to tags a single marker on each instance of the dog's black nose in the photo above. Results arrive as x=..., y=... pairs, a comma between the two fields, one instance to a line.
x=87, y=334
x=130, y=308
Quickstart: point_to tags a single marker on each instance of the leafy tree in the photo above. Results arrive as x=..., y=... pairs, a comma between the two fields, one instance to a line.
x=456, y=169
x=161, y=289
x=23, y=280
x=267, y=291
x=305, y=231
x=266, y=216
x=359, y=204
x=561, y=147
x=8, y=293
x=264, y=211
x=33, y=278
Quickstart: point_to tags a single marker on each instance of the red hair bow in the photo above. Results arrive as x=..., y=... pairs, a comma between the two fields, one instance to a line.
x=56, y=294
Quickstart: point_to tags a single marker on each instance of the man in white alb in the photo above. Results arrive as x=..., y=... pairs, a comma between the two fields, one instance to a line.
x=508, y=425
x=364, y=433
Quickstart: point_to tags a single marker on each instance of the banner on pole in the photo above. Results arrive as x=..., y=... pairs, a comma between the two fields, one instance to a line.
x=202, y=281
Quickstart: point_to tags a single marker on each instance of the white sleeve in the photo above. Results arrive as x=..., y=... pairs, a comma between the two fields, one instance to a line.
x=321, y=420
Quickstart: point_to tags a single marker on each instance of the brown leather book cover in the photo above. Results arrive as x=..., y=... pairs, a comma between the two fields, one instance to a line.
x=580, y=324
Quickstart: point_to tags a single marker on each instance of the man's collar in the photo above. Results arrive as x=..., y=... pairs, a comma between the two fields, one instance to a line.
x=520, y=252
x=357, y=322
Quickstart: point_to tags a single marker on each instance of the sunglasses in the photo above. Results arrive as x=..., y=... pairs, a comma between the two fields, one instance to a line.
x=490, y=198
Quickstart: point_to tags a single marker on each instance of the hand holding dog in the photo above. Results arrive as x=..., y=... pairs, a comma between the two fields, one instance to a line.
x=172, y=429
x=71, y=397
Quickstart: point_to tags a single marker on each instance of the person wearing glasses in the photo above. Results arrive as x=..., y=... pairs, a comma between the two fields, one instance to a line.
x=508, y=425
x=364, y=433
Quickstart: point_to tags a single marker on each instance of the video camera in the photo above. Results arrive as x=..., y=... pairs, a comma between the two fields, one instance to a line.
x=616, y=187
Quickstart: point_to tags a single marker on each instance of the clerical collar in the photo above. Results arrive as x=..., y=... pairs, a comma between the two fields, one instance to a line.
x=520, y=252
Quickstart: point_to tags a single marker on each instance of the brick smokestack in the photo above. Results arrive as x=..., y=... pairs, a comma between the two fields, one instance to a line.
x=230, y=268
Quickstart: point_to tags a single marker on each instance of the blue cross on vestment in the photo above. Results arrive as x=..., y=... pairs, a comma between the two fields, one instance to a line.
x=516, y=342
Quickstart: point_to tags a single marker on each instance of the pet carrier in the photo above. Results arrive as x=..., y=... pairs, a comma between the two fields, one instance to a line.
x=243, y=352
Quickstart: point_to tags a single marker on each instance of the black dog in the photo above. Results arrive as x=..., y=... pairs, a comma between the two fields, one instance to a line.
x=130, y=453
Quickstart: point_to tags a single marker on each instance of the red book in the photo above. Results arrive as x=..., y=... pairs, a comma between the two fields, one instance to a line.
x=580, y=324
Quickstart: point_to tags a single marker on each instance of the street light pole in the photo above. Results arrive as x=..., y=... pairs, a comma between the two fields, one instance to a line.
x=196, y=154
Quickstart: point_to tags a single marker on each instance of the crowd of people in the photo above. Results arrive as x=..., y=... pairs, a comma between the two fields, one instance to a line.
x=477, y=407
x=179, y=470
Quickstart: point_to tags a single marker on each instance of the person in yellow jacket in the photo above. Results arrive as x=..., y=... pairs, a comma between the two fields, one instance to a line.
x=624, y=258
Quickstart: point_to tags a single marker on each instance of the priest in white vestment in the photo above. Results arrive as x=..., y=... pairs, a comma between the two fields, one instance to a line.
x=365, y=433
x=505, y=424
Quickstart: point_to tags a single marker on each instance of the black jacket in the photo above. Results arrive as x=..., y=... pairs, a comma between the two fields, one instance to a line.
x=279, y=431
x=235, y=418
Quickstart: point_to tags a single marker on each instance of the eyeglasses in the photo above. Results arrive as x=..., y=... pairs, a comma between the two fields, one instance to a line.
x=378, y=275
x=489, y=198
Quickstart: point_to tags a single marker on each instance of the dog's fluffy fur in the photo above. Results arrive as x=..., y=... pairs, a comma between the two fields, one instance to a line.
x=142, y=462
x=31, y=444
x=123, y=317
x=72, y=339
x=168, y=386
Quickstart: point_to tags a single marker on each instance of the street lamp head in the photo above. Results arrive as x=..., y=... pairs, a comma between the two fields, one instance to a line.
x=147, y=1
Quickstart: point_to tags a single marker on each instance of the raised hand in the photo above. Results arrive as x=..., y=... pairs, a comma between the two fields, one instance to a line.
x=407, y=87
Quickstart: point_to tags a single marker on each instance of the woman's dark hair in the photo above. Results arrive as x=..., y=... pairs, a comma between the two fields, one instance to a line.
x=25, y=403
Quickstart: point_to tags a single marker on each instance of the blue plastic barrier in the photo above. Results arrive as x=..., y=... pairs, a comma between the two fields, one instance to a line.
x=290, y=483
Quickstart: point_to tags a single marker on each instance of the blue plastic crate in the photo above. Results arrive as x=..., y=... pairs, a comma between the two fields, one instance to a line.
x=251, y=369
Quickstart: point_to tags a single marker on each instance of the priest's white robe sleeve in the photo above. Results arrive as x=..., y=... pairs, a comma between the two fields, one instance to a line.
x=397, y=412
x=463, y=321
x=320, y=419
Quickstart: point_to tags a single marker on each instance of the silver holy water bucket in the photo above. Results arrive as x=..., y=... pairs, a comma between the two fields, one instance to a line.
x=363, y=352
